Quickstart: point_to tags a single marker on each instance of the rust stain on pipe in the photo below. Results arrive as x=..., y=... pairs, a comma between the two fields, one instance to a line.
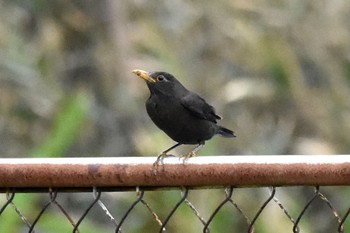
x=116, y=172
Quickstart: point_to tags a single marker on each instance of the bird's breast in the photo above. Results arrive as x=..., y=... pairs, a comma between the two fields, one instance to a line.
x=162, y=111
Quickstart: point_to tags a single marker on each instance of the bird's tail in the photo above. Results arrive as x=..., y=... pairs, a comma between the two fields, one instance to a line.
x=226, y=132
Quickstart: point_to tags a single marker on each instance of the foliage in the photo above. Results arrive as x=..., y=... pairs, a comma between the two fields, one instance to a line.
x=278, y=72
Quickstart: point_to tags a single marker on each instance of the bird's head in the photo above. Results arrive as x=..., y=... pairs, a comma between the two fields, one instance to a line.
x=160, y=82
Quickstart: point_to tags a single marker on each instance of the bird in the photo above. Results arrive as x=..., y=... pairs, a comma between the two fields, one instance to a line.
x=182, y=114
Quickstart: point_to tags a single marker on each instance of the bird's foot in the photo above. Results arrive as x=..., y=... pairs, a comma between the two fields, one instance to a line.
x=187, y=156
x=192, y=153
x=160, y=161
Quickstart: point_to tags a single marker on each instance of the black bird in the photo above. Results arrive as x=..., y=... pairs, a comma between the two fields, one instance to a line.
x=182, y=114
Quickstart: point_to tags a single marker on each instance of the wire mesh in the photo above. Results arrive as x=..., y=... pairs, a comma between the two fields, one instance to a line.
x=178, y=209
x=249, y=219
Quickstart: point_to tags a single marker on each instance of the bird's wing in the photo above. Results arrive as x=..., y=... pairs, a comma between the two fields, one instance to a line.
x=199, y=108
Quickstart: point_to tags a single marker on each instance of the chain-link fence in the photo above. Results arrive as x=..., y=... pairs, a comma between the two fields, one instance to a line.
x=206, y=194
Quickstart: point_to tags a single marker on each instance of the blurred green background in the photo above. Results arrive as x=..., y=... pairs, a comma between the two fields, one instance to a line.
x=277, y=71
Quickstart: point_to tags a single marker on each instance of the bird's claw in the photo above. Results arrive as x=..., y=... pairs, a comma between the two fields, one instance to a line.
x=187, y=156
x=190, y=155
x=159, y=161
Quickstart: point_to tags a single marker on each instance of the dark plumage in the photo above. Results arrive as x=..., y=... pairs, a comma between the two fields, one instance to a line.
x=182, y=114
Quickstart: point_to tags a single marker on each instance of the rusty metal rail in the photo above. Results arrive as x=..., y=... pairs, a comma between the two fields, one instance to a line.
x=125, y=173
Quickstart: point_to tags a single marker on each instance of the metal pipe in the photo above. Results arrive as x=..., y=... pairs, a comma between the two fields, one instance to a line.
x=120, y=173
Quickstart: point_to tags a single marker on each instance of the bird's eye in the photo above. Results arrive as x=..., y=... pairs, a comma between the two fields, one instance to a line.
x=160, y=78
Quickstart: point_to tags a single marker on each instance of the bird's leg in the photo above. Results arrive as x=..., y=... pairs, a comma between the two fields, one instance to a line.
x=164, y=154
x=193, y=152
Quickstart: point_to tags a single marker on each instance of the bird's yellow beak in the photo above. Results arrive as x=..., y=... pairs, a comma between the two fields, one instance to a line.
x=144, y=75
